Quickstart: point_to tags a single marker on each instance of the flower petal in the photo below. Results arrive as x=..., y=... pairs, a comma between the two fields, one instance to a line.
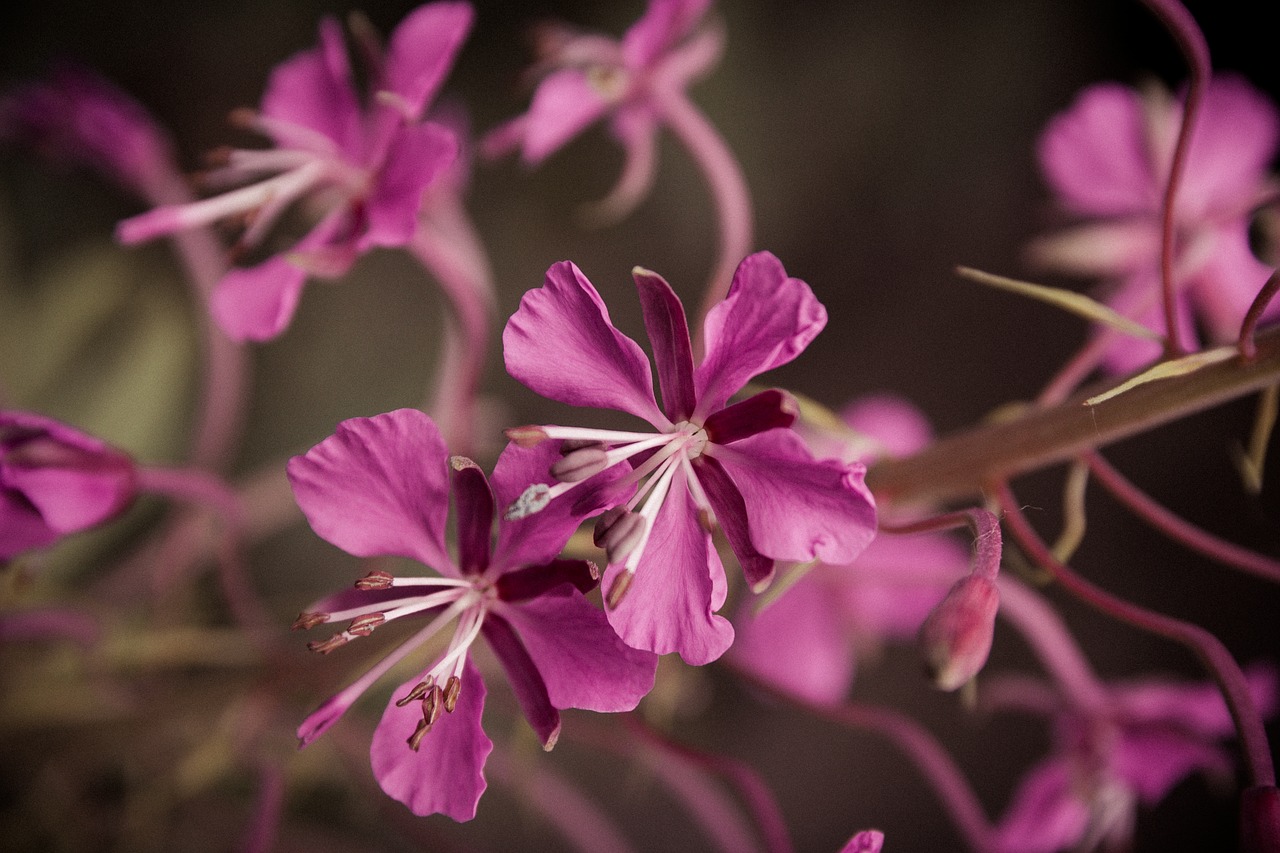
x=766, y=321
x=313, y=90
x=678, y=585
x=379, y=486
x=21, y=527
x=564, y=105
x=664, y=320
x=416, y=156
x=731, y=515
x=524, y=677
x=1044, y=816
x=797, y=508
x=1153, y=760
x=422, y=51
x=1233, y=145
x=473, y=504
x=258, y=303
x=664, y=23
x=1096, y=155
x=533, y=581
x=582, y=661
x=445, y=776
x=562, y=344
x=798, y=643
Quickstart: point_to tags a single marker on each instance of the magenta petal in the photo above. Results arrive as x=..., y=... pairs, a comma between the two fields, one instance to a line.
x=562, y=345
x=258, y=303
x=797, y=508
x=74, y=499
x=1195, y=707
x=445, y=776
x=893, y=422
x=473, y=503
x=1226, y=286
x=313, y=90
x=21, y=527
x=422, y=50
x=1097, y=156
x=379, y=486
x=582, y=661
x=798, y=643
x=664, y=23
x=564, y=105
x=766, y=321
x=1045, y=816
x=417, y=155
x=866, y=841
x=668, y=330
x=525, y=679
x=731, y=514
x=1153, y=760
x=533, y=581
x=670, y=605
x=1233, y=144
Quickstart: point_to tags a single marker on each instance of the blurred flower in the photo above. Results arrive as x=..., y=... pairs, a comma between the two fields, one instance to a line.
x=867, y=841
x=380, y=486
x=709, y=462
x=55, y=480
x=1108, y=158
x=364, y=166
x=586, y=77
x=1148, y=737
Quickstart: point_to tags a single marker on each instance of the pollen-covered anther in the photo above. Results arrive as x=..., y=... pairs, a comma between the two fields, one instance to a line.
x=622, y=537
x=527, y=436
x=621, y=584
x=452, y=688
x=307, y=620
x=336, y=641
x=377, y=579
x=363, y=626
x=580, y=464
x=419, y=690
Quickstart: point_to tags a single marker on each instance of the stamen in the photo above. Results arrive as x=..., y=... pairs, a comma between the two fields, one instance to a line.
x=419, y=690
x=623, y=536
x=307, y=620
x=452, y=688
x=377, y=579
x=621, y=584
x=415, y=739
x=580, y=464
x=364, y=625
x=706, y=514
x=432, y=704
x=604, y=522
x=526, y=436
x=336, y=641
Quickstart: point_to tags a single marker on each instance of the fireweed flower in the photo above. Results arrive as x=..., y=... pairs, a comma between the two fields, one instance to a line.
x=363, y=167
x=739, y=465
x=809, y=640
x=1107, y=158
x=380, y=486
x=588, y=76
x=55, y=480
x=1147, y=737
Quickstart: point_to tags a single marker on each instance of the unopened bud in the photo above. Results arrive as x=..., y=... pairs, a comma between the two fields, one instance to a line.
x=308, y=620
x=362, y=626
x=621, y=584
x=580, y=464
x=325, y=646
x=1260, y=820
x=452, y=688
x=956, y=637
x=419, y=690
x=376, y=580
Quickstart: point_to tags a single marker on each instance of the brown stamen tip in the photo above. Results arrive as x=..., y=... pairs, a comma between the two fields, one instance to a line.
x=707, y=519
x=376, y=580
x=308, y=620
x=621, y=584
x=452, y=688
x=362, y=626
x=527, y=436
x=419, y=690
x=326, y=646
x=415, y=739
x=244, y=117
x=432, y=704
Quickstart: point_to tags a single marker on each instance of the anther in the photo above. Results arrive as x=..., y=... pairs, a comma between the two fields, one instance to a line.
x=326, y=646
x=578, y=465
x=605, y=522
x=432, y=704
x=527, y=436
x=415, y=739
x=623, y=537
x=419, y=690
x=452, y=688
x=243, y=117
x=707, y=519
x=533, y=499
x=362, y=626
x=376, y=580
x=621, y=584
x=571, y=444
x=308, y=620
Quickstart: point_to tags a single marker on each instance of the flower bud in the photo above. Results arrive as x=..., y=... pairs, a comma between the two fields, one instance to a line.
x=956, y=637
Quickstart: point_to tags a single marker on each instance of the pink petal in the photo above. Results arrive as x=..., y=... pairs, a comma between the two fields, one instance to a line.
x=75, y=498
x=664, y=23
x=379, y=486
x=867, y=841
x=1153, y=760
x=564, y=105
x=562, y=344
x=1097, y=156
x=21, y=527
x=1226, y=286
x=582, y=661
x=678, y=585
x=798, y=643
x=893, y=585
x=416, y=157
x=1045, y=816
x=893, y=422
x=731, y=515
x=797, y=508
x=1233, y=145
x=525, y=679
x=258, y=303
x=313, y=90
x=766, y=321
x=664, y=320
x=422, y=51
x=1195, y=707
x=473, y=515
x=445, y=776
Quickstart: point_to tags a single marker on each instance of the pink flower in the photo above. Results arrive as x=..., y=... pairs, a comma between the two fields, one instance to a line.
x=364, y=166
x=809, y=639
x=587, y=77
x=708, y=462
x=1108, y=158
x=1149, y=736
x=866, y=841
x=380, y=486
x=55, y=480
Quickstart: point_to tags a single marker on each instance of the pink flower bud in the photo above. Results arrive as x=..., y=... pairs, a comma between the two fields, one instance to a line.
x=956, y=636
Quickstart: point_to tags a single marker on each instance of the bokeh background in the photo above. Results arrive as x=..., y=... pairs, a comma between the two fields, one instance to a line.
x=884, y=142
